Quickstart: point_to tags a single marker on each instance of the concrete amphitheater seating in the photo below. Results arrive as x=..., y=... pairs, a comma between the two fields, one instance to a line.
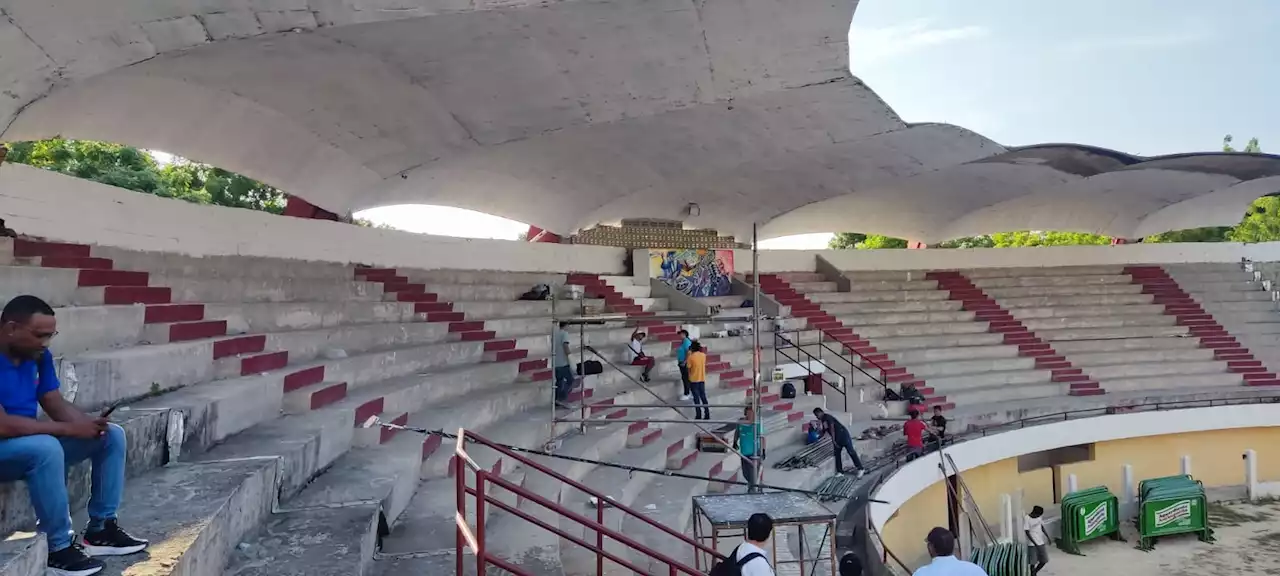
x=248, y=379
x=978, y=336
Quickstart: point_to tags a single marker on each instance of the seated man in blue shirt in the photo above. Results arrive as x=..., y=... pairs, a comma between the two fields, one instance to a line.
x=39, y=451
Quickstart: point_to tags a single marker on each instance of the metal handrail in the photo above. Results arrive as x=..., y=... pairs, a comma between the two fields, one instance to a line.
x=882, y=380
x=466, y=538
x=894, y=464
x=796, y=360
x=860, y=355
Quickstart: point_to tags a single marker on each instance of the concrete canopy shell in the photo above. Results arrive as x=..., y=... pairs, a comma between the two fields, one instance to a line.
x=564, y=114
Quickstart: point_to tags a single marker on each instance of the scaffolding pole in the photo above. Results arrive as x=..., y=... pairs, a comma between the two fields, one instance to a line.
x=755, y=352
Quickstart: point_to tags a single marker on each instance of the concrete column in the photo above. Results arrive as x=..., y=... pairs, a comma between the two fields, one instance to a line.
x=1073, y=484
x=1186, y=465
x=1251, y=473
x=1007, y=529
x=1126, y=474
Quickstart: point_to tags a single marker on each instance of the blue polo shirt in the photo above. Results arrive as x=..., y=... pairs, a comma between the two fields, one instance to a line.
x=22, y=386
x=682, y=354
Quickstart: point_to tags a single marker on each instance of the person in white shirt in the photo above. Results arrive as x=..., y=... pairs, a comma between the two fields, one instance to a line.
x=1038, y=537
x=638, y=357
x=759, y=530
x=942, y=548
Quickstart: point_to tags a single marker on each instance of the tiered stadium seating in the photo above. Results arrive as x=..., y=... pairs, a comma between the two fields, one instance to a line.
x=249, y=380
x=990, y=335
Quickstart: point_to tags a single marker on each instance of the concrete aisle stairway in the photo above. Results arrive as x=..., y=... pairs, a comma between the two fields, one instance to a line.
x=1218, y=303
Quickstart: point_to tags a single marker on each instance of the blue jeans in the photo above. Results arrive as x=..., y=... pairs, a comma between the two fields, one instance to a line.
x=564, y=382
x=700, y=410
x=43, y=462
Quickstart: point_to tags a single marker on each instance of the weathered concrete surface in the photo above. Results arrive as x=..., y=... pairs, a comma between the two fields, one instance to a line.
x=194, y=514
x=23, y=554
x=317, y=542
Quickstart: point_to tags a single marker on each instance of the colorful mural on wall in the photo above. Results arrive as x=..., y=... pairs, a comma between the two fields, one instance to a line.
x=695, y=272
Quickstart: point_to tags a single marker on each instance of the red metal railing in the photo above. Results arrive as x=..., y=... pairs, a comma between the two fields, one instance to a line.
x=475, y=538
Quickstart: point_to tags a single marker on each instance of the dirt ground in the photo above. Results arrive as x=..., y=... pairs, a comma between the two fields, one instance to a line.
x=1247, y=543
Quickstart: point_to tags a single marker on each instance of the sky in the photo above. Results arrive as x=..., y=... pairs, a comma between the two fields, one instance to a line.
x=1145, y=77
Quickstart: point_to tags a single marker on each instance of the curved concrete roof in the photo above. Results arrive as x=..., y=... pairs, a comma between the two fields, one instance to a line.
x=566, y=114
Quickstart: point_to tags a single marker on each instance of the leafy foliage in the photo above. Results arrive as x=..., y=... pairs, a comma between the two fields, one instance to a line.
x=133, y=169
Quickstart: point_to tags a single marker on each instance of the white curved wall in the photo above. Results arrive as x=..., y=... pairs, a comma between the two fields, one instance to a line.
x=58, y=207
x=913, y=478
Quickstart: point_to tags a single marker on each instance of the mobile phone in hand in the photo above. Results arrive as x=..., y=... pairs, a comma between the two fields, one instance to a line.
x=112, y=408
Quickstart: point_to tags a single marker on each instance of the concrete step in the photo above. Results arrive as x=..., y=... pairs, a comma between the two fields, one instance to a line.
x=924, y=293
x=1111, y=333
x=882, y=275
x=1113, y=321
x=811, y=287
x=1077, y=347
x=23, y=554
x=1138, y=370
x=931, y=329
x=170, y=263
x=1013, y=304
x=1108, y=310
x=931, y=342
x=1080, y=290
x=1055, y=271
x=234, y=289
x=1065, y=281
x=897, y=318
x=1222, y=286
x=945, y=385
x=1001, y=393
x=837, y=309
x=1258, y=307
x=1255, y=328
x=1190, y=381
x=262, y=317
x=925, y=355
x=1206, y=297
x=1246, y=317
x=1237, y=275
x=929, y=371
x=193, y=514
x=467, y=277
x=1140, y=356
x=875, y=286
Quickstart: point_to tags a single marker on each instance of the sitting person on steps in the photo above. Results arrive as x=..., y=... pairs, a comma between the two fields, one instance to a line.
x=40, y=451
x=638, y=357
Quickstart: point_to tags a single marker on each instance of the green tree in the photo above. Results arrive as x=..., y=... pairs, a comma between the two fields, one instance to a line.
x=845, y=240
x=1038, y=238
x=967, y=242
x=878, y=242
x=1252, y=147
x=133, y=169
x=1261, y=222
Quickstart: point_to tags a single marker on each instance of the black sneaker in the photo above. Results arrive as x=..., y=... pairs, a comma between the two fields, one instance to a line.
x=72, y=561
x=112, y=541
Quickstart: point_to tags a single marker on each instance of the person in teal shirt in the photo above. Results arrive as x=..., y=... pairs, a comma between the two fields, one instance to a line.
x=745, y=438
x=682, y=356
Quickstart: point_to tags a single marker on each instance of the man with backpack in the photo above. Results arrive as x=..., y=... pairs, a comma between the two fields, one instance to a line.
x=749, y=558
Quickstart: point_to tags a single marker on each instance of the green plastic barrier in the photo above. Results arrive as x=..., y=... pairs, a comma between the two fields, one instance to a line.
x=1003, y=559
x=1086, y=515
x=1171, y=505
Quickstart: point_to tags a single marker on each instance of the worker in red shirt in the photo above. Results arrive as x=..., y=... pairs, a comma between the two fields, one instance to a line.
x=914, y=431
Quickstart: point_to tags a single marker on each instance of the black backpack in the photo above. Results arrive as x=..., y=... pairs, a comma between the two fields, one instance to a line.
x=788, y=390
x=731, y=567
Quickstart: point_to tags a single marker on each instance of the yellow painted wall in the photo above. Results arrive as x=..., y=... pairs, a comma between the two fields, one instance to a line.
x=1216, y=459
x=904, y=533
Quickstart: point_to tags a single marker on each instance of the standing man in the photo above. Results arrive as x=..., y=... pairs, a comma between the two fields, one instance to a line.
x=40, y=451
x=638, y=357
x=745, y=438
x=697, y=362
x=1038, y=537
x=914, y=430
x=682, y=355
x=841, y=440
x=938, y=425
x=942, y=548
x=564, y=374
x=750, y=556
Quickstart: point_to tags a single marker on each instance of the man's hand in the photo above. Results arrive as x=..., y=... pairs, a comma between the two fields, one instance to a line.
x=85, y=429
